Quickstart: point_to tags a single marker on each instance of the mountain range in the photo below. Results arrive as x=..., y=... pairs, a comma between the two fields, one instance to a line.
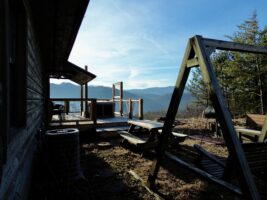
x=155, y=99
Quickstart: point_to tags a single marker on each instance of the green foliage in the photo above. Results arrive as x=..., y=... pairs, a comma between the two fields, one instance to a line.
x=242, y=76
x=198, y=88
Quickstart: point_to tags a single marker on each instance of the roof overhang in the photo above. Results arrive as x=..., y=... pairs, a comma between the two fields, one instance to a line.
x=72, y=72
x=57, y=23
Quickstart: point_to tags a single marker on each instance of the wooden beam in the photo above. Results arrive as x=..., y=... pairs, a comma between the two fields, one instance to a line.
x=130, y=111
x=113, y=92
x=141, y=109
x=66, y=107
x=121, y=98
x=192, y=62
x=81, y=95
x=233, y=46
x=234, y=189
x=170, y=116
x=224, y=117
x=93, y=111
x=86, y=95
x=263, y=134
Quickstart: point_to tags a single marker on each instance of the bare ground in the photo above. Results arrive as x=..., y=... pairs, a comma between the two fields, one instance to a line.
x=107, y=166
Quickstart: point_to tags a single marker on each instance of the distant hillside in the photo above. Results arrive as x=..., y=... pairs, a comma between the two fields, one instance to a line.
x=153, y=90
x=155, y=99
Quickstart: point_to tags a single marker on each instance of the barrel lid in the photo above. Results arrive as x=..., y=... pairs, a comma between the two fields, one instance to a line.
x=62, y=131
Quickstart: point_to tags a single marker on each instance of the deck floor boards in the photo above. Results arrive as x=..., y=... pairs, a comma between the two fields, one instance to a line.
x=75, y=120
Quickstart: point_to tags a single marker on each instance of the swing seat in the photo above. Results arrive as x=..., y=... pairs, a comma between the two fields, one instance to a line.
x=256, y=154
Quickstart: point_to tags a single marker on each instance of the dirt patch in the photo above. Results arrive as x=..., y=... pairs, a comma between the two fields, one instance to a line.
x=107, y=170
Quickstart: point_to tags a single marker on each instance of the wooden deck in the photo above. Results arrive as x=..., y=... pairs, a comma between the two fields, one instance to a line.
x=74, y=120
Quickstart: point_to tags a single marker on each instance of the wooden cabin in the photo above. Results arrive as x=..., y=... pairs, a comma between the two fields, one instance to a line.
x=36, y=41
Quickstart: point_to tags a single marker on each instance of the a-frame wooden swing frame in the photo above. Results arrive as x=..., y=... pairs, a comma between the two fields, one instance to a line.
x=197, y=54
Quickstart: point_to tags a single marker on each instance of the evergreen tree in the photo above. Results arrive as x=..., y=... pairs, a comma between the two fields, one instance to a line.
x=242, y=76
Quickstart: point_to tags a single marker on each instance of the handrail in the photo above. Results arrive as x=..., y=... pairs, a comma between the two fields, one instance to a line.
x=94, y=103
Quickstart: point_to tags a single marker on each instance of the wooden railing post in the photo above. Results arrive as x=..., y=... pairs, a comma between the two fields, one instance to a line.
x=81, y=99
x=121, y=98
x=93, y=110
x=86, y=113
x=141, y=113
x=66, y=107
x=113, y=92
x=130, y=111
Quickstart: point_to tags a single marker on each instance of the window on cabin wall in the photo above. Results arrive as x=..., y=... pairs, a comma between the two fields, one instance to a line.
x=17, y=66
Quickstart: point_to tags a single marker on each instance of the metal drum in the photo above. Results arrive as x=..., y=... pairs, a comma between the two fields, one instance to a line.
x=62, y=154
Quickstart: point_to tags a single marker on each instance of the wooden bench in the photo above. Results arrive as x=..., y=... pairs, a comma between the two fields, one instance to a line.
x=137, y=141
x=254, y=135
x=244, y=133
x=179, y=137
x=256, y=154
x=255, y=121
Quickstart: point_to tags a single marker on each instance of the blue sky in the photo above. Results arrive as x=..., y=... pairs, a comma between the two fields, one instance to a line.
x=142, y=42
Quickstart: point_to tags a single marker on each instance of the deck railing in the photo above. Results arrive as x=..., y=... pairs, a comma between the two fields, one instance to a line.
x=90, y=114
x=130, y=111
x=88, y=107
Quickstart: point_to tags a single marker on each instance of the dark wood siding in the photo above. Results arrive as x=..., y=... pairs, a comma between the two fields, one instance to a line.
x=22, y=145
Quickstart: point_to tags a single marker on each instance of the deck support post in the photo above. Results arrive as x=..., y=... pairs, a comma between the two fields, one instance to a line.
x=141, y=113
x=93, y=110
x=81, y=104
x=66, y=107
x=121, y=98
x=130, y=112
x=86, y=112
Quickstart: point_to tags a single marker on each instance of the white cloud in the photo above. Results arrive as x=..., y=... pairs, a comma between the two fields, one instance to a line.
x=59, y=81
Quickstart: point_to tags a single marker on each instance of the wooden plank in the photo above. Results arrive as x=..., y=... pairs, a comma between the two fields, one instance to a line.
x=82, y=97
x=121, y=98
x=208, y=155
x=130, y=111
x=131, y=138
x=248, y=131
x=255, y=121
x=192, y=62
x=86, y=95
x=148, y=124
x=141, y=109
x=179, y=136
x=263, y=135
x=232, y=46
